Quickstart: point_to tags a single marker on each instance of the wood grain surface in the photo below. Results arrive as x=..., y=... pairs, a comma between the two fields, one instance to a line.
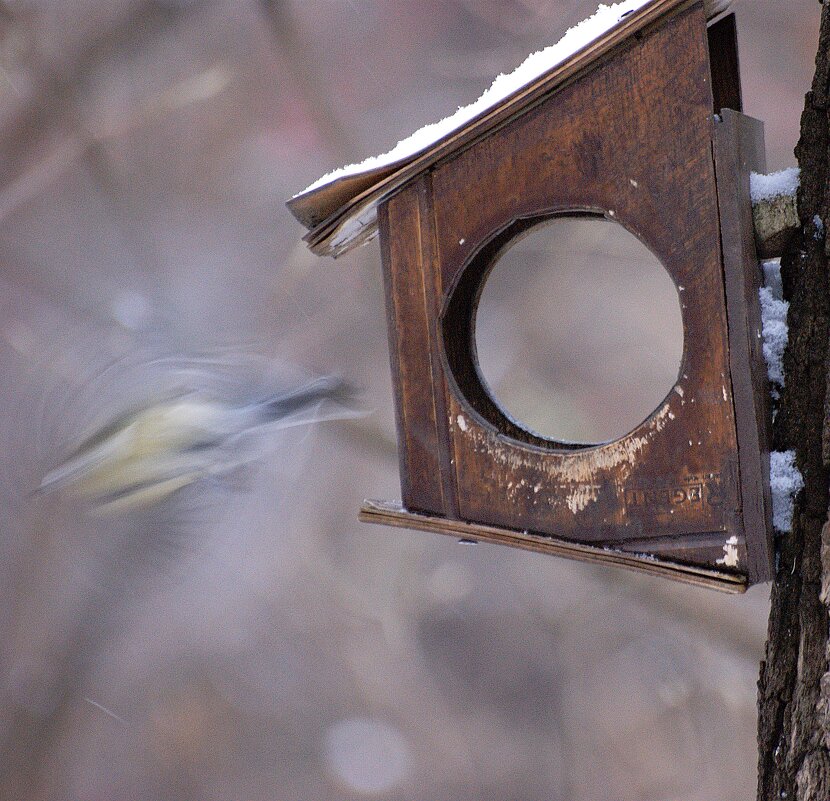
x=632, y=141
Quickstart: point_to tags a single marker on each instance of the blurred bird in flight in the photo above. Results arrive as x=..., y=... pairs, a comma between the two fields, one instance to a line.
x=143, y=457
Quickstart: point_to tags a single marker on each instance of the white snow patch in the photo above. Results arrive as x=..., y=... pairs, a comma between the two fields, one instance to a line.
x=462, y=423
x=785, y=483
x=730, y=553
x=648, y=557
x=766, y=187
x=536, y=64
x=774, y=323
x=772, y=277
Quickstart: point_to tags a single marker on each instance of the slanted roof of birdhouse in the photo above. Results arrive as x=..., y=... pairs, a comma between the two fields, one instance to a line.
x=340, y=209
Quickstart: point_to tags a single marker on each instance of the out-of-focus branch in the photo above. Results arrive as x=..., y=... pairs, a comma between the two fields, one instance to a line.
x=50, y=135
x=52, y=108
x=316, y=92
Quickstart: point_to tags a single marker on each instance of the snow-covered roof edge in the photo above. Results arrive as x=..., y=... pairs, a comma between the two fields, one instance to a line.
x=605, y=19
x=341, y=213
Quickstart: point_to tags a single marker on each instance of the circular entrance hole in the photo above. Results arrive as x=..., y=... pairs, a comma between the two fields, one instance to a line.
x=578, y=330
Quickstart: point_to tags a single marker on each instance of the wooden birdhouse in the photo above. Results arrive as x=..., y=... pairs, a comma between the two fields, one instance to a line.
x=634, y=118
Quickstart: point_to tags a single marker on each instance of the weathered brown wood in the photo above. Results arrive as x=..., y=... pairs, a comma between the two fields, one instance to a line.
x=430, y=272
x=392, y=514
x=674, y=474
x=337, y=225
x=687, y=487
x=674, y=486
x=688, y=549
x=739, y=150
x=726, y=71
x=409, y=315
x=412, y=301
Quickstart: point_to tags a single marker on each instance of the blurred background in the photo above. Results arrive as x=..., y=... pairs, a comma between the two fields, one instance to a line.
x=248, y=639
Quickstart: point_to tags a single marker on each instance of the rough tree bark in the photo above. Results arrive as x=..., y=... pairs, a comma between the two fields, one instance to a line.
x=794, y=688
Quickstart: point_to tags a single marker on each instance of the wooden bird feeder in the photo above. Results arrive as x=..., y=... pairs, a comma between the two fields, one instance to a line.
x=686, y=493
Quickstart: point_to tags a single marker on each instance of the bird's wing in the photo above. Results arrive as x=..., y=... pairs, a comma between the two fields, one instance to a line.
x=161, y=442
x=87, y=457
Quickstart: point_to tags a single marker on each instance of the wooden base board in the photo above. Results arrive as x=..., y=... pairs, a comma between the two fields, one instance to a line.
x=389, y=513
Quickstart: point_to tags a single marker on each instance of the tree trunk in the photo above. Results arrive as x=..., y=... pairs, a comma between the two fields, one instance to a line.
x=794, y=688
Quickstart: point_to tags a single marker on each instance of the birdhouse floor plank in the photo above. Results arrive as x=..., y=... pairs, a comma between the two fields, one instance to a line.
x=390, y=513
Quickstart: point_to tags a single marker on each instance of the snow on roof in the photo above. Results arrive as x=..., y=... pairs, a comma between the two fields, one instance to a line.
x=603, y=20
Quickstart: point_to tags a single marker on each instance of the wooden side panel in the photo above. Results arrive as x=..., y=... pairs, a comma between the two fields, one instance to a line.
x=411, y=316
x=739, y=150
x=431, y=271
x=726, y=71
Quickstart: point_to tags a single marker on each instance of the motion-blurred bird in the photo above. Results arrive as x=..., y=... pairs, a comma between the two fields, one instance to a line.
x=147, y=455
